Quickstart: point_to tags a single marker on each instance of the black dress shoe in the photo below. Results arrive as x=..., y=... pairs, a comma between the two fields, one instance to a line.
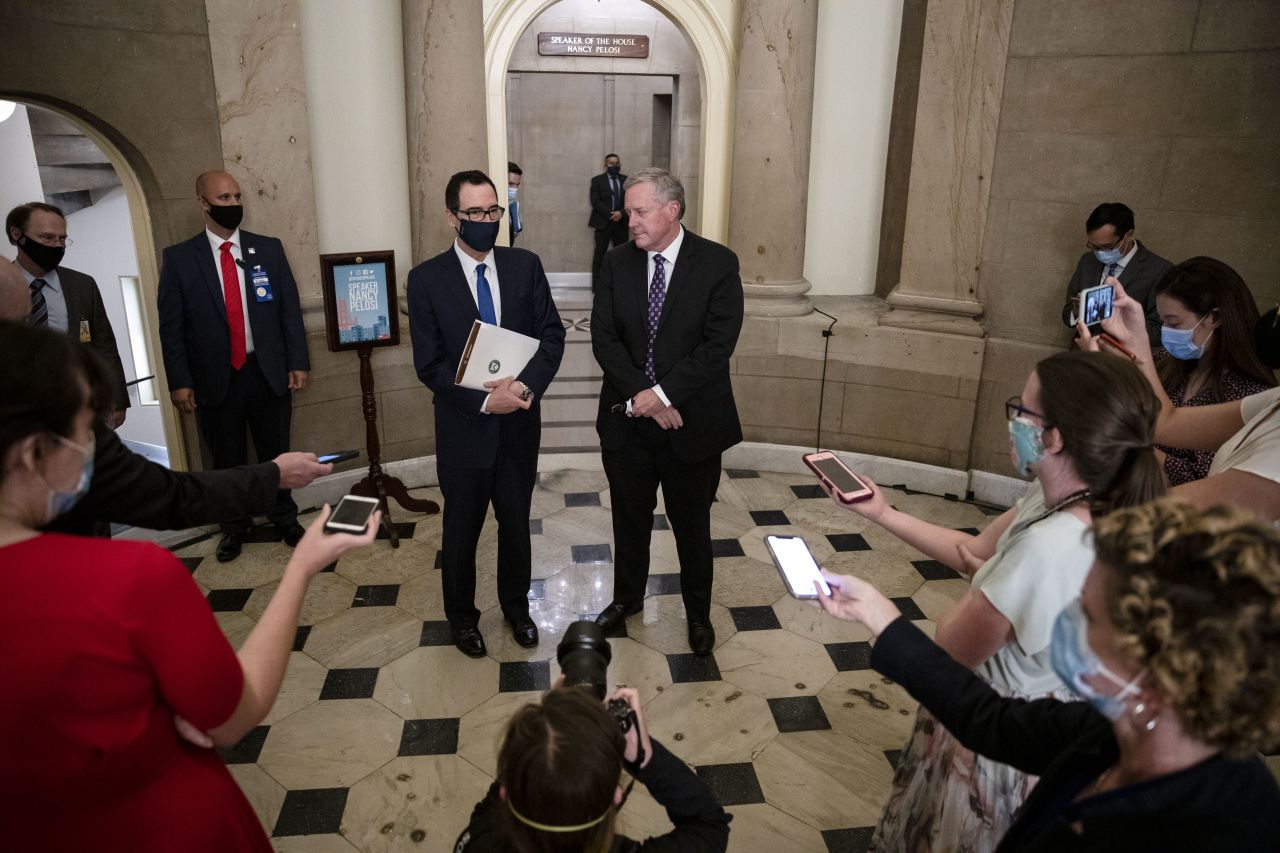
x=469, y=642
x=291, y=534
x=702, y=638
x=230, y=545
x=615, y=614
x=524, y=631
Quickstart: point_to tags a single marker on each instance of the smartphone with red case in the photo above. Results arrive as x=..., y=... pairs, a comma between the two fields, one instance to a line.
x=848, y=487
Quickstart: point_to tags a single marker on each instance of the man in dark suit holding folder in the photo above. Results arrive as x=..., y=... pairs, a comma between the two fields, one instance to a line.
x=664, y=325
x=486, y=442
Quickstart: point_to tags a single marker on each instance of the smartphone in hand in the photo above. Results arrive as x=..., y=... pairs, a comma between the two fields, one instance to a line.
x=341, y=456
x=796, y=564
x=351, y=515
x=849, y=488
x=1097, y=304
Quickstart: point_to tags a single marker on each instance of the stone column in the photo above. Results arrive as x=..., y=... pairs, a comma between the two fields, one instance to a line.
x=444, y=81
x=957, y=113
x=777, y=47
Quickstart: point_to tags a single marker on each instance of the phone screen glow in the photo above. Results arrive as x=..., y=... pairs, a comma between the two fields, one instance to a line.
x=797, y=564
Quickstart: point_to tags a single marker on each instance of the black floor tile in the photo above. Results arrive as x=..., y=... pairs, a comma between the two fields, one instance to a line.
x=537, y=589
x=376, y=595
x=726, y=548
x=989, y=510
x=524, y=675
x=582, y=499
x=439, y=561
x=741, y=474
x=932, y=570
x=732, y=784
x=754, y=618
x=300, y=637
x=664, y=584
x=535, y=527
x=808, y=492
x=192, y=563
x=660, y=522
x=248, y=748
x=313, y=811
x=892, y=756
x=769, y=517
x=331, y=567
x=690, y=667
x=225, y=600
x=909, y=608
x=429, y=737
x=591, y=553
x=798, y=714
x=261, y=534
x=349, y=683
x=404, y=529
x=972, y=531
x=436, y=634
x=848, y=840
x=848, y=542
x=850, y=656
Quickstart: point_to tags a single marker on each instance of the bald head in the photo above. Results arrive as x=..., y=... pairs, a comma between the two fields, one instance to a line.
x=15, y=296
x=219, y=195
x=207, y=182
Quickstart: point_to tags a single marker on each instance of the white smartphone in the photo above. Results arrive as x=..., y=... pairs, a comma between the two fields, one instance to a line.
x=1096, y=304
x=351, y=515
x=796, y=564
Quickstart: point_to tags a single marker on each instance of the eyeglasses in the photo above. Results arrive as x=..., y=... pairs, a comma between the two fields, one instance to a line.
x=1013, y=408
x=50, y=239
x=479, y=214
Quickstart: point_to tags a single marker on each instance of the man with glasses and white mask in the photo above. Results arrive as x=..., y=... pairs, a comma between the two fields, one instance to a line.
x=62, y=298
x=486, y=441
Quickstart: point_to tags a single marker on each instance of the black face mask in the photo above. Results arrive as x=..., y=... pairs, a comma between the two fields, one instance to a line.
x=478, y=235
x=45, y=257
x=614, y=170
x=226, y=216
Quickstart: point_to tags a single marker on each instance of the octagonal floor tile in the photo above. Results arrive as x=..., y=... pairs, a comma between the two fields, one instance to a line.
x=753, y=543
x=642, y=817
x=806, y=619
x=413, y=803
x=882, y=540
x=549, y=555
x=312, y=844
x=746, y=582
x=824, y=516
x=891, y=574
x=633, y=665
x=775, y=664
x=328, y=594
x=662, y=625
x=710, y=722
x=235, y=626
x=579, y=525
x=827, y=780
x=953, y=514
x=381, y=564
x=363, y=637
x=729, y=521
x=550, y=619
x=480, y=730
x=869, y=708
x=265, y=794
x=255, y=566
x=573, y=481
x=436, y=681
x=303, y=681
x=760, y=826
x=935, y=598
x=204, y=548
x=581, y=587
x=331, y=744
x=755, y=493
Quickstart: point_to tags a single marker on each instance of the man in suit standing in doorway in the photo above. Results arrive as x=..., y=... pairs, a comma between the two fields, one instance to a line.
x=234, y=345
x=486, y=441
x=515, y=177
x=664, y=325
x=608, y=212
x=62, y=298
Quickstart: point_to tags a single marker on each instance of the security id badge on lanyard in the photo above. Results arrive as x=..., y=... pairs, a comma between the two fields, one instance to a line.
x=260, y=284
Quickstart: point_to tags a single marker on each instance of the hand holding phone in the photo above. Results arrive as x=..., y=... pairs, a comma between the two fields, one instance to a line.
x=340, y=456
x=796, y=564
x=1097, y=304
x=848, y=486
x=351, y=515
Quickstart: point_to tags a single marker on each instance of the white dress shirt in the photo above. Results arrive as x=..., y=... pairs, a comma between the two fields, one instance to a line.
x=469, y=266
x=669, y=256
x=1120, y=264
x=54, y=299
x=216, y=243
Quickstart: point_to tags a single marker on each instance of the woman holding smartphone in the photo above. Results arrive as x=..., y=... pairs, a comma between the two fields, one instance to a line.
x=1082, y=429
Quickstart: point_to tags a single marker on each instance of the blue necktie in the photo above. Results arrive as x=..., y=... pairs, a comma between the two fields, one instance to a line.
x=39, y=316
x=484, y=298
x=1111, y=270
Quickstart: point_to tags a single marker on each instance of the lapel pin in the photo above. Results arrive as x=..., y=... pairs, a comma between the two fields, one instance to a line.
x=252, y=250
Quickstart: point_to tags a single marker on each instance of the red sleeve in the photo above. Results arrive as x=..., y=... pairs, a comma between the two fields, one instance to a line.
x=174, y=633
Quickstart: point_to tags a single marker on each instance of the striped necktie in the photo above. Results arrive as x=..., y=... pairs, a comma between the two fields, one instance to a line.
x=39, y=316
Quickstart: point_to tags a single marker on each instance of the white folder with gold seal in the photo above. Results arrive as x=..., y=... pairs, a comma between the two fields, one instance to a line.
x=493, y=352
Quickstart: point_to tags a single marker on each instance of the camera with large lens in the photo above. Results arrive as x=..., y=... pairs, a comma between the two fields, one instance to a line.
x=584, y=655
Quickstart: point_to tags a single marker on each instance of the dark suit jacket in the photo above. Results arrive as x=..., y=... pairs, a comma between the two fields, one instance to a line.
x=441, y=312
x=193, y=317
x=602, y=201
x=1139, y=279
x=84, y=305
x=701, y=319
x=128, y=489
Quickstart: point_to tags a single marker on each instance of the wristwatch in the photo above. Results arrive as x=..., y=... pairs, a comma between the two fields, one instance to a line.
x=526, y=393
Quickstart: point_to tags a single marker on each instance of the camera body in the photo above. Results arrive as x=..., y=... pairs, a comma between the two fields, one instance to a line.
x=584, y=655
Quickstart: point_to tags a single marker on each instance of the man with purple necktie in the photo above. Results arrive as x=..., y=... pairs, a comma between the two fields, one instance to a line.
x=664, y=325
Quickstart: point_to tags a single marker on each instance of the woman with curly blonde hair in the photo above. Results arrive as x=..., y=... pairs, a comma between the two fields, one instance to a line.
x=1174, y=648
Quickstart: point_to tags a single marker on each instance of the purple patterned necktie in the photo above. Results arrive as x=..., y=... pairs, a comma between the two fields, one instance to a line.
x=657, y=291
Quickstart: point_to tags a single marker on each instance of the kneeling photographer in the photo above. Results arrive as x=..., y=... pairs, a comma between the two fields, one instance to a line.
x=560, y=765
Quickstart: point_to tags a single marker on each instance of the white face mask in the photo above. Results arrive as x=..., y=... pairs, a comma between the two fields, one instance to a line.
x=1074, y=660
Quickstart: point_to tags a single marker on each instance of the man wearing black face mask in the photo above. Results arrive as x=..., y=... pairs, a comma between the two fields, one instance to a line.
x=62, y=298
x=608, y=214
x=234, y=344
x=486, y=443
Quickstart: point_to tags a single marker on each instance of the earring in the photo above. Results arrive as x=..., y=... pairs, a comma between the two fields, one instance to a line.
x=1138, y=709
x=1151, y=724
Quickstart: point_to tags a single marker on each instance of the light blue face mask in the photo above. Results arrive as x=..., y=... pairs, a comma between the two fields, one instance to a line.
x=1180, y=343
x=1028, y=443
x=1074, y=661
x=512, y=194
x=1108, y=256
x=61, y=502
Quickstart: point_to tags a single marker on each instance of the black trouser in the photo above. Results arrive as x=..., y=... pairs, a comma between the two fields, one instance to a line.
x=613, y=232
x=635, y=471
x=467, y=493
x=251, y=403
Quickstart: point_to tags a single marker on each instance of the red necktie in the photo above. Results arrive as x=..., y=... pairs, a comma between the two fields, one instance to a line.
x=235, y=311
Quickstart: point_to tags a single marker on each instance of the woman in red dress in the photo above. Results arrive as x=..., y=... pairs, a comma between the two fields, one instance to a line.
x=105, y=642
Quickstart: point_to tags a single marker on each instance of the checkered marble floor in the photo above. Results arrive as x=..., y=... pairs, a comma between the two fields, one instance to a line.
x=384, y=735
